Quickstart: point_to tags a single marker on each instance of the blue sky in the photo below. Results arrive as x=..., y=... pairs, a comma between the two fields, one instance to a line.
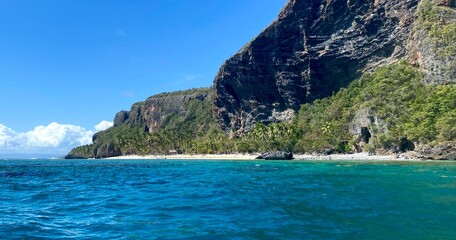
x=78, y=62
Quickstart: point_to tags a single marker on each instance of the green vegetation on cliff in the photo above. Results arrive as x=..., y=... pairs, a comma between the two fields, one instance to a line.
x=185, y=120
x=389, y=110
x=386, y=110
x=196, y=118
x=85, y=151
x=397, y=107
x=436, y=31
x=439, y=23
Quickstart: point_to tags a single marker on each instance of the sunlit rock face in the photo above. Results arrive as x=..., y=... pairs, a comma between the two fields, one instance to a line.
x=155, y=112
x=432, y=42
x=312, y=49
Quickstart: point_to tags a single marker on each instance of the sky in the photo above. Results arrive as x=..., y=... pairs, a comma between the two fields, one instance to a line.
x=66, y=67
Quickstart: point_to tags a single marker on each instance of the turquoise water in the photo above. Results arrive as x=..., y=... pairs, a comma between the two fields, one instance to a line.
x=129, y=199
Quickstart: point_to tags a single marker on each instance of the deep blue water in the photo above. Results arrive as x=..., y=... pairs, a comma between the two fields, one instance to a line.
x=129, y=199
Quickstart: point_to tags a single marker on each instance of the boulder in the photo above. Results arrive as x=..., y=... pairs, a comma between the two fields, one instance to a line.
x=441, y=151
x=107, y=150
x=279, y=155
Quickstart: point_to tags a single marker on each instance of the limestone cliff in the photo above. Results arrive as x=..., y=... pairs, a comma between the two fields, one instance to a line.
x=313, y=49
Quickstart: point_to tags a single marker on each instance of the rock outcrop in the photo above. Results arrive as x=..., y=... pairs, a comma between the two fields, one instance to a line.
x=313, y=49
x=120, y=118
x=364, y=126
x=159, y=110
x=105, y=150
x=280, y=155
x=177, y=111
x=432, y=45
x=442, y=151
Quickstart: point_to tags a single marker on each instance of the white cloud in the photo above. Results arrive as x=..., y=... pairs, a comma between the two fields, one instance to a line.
x=6, y=134
x=103, y=125
x=53, y=138
x=57, y=135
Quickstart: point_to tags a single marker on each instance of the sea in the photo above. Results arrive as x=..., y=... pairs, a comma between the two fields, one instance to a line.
x=210, y=199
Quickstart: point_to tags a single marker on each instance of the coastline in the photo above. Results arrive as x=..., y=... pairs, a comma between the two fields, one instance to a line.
x=190, y=157
x=244, y=157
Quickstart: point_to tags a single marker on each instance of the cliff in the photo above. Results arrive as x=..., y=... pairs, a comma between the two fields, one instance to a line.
x=177, y=112
x=166, y=110
x=432, y=42
x=314, y=48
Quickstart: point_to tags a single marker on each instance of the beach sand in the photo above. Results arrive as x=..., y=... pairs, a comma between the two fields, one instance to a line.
x=192, y=157
x=350, y=157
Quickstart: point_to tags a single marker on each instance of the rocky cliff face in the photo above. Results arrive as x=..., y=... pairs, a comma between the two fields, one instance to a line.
x=159, y=110
x=177, y=111
x=432, y=45
x=312, y=50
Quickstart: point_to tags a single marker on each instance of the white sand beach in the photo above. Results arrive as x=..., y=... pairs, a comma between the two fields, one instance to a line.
x=350, y=157
x=353, y=156
x=192, y=157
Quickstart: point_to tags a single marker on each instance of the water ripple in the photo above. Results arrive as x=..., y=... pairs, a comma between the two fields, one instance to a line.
x=226, y=200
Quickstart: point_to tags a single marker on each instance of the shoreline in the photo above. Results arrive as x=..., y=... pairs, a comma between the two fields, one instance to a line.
x=244, y=157
x=189, y=157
